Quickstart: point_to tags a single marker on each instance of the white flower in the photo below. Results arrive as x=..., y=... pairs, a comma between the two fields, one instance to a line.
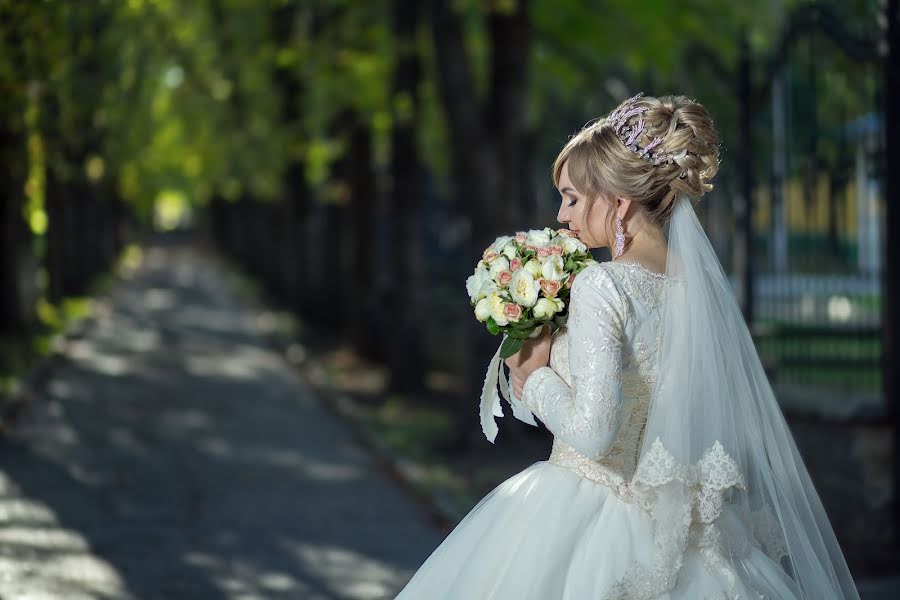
x=547, y=307
x=495, y=306
x=553, y=268
x=524, y=289
x=480, y=284
x=570, y=244
x=501, y=242
x=538, y=237
x=483, y=310
x=534, y=267
x=509, y=250
x=501, y=263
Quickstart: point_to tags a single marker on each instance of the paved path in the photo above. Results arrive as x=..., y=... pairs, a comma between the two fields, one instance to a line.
x=172, y=455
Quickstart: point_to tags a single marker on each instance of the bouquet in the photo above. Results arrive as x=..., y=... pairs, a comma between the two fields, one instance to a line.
x=522, y=283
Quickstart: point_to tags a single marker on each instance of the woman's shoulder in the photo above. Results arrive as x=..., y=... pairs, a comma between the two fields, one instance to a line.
x=621, y=282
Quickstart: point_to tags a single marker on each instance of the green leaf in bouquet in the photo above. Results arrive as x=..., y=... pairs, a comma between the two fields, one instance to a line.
x=510, y=346
x=492, y=326
x=516, y=333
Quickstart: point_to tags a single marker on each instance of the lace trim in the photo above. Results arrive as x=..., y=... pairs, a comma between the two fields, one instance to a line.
x=596, y=471
x=684, y=502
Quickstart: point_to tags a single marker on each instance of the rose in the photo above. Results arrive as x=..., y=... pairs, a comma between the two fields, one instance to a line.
x=534, y=267
x=510, y=251
x=543, y=252
x=550, y=287
x=501, y=263
x=500, y=243
x=556, y=249
x=571, y=245
x=483, y=310
x=553, y=268
x=521, y=236
x=524, y=289
x=504, y=277
x=538, y=237
x=566, y=233
x=495, y=307
x=512, y=311
x=547, y=307
x=489, y=255
x=480, y=284
x=515, y=264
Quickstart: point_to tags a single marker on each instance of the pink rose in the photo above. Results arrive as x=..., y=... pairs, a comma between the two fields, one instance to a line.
x=490, y=255
x=550, y=287
x=504, y=277
x=566, y=232
x=543, y=252
x=515, y=264
x=512, y=311
x=521, y=236
x=556, y=249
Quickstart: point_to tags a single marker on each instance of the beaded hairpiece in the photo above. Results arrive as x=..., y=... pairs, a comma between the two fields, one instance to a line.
x=630, y=132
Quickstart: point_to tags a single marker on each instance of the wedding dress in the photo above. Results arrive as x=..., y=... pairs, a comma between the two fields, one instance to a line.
x=672, y=473
x=568, y=528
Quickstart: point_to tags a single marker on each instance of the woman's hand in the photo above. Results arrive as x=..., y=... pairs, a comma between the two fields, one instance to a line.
x=534, y=353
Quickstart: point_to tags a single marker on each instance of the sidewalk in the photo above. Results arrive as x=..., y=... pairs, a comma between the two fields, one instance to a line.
x=171, y=454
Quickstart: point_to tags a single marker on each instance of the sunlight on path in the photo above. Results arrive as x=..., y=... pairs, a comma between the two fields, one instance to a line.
x=173, y=455
x=40, y=559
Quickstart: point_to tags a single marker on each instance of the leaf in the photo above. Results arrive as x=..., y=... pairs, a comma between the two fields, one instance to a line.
x=492, y=326
x=509, y=347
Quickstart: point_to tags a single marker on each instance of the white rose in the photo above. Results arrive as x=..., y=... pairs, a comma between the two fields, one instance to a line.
x=483, y=310
x=545, y=307
x=553, y=268
x=538, y=237
x=534, y=267
x=501, y=242
x=501, y=263
x=480, y=284
x=570, y=244
x=495, y=306
x=523, y=288
x=509, y=251
x=548, y=307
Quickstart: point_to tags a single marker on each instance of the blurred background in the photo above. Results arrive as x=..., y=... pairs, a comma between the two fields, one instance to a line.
x=341, y=165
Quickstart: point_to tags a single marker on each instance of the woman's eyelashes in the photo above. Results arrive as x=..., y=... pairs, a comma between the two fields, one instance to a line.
x=572, y=202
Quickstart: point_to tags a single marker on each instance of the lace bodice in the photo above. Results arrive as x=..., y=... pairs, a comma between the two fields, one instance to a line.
x=594, y=396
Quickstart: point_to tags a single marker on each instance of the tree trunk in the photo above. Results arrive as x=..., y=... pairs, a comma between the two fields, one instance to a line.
x=361, y=319
x=15, y=306
x=487, y=157
x=405, y=293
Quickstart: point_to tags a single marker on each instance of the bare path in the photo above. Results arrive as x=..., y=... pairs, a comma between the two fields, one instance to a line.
x=172, y=455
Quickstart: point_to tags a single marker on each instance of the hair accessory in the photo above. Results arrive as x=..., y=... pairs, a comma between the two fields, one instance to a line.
x=620, y=238
x=630, y=132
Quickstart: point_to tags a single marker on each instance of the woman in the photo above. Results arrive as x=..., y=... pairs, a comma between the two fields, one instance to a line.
x=673, y=473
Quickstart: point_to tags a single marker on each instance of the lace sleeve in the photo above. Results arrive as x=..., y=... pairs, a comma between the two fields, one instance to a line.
x=587, y=415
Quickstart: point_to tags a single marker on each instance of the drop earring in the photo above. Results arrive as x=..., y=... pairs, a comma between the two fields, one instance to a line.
x=620, y=239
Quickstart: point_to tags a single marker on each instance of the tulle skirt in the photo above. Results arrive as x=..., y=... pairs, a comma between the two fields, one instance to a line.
x=547, y=533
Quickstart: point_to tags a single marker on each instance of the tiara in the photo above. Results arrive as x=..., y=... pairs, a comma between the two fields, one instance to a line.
x=623, y=123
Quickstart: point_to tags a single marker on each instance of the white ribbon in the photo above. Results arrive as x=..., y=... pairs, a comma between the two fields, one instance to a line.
x=490, y=398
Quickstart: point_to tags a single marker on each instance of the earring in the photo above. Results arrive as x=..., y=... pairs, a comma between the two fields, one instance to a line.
x=620, y=238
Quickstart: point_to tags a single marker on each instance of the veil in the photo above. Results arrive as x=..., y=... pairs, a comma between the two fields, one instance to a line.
x=717, y=463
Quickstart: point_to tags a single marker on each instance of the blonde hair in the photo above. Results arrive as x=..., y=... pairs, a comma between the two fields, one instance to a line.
x=600, y=164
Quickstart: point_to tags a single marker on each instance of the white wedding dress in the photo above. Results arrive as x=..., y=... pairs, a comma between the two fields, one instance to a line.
x=570, y=527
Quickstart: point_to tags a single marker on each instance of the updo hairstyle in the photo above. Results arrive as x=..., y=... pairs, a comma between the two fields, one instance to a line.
x=687, y=155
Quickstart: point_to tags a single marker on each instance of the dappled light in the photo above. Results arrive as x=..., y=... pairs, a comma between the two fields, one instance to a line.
x=238, y=357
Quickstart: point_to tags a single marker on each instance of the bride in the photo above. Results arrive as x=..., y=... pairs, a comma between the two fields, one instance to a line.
x=673, y=473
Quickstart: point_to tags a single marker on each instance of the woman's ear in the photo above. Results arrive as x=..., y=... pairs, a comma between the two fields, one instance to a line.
x=622, y=206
